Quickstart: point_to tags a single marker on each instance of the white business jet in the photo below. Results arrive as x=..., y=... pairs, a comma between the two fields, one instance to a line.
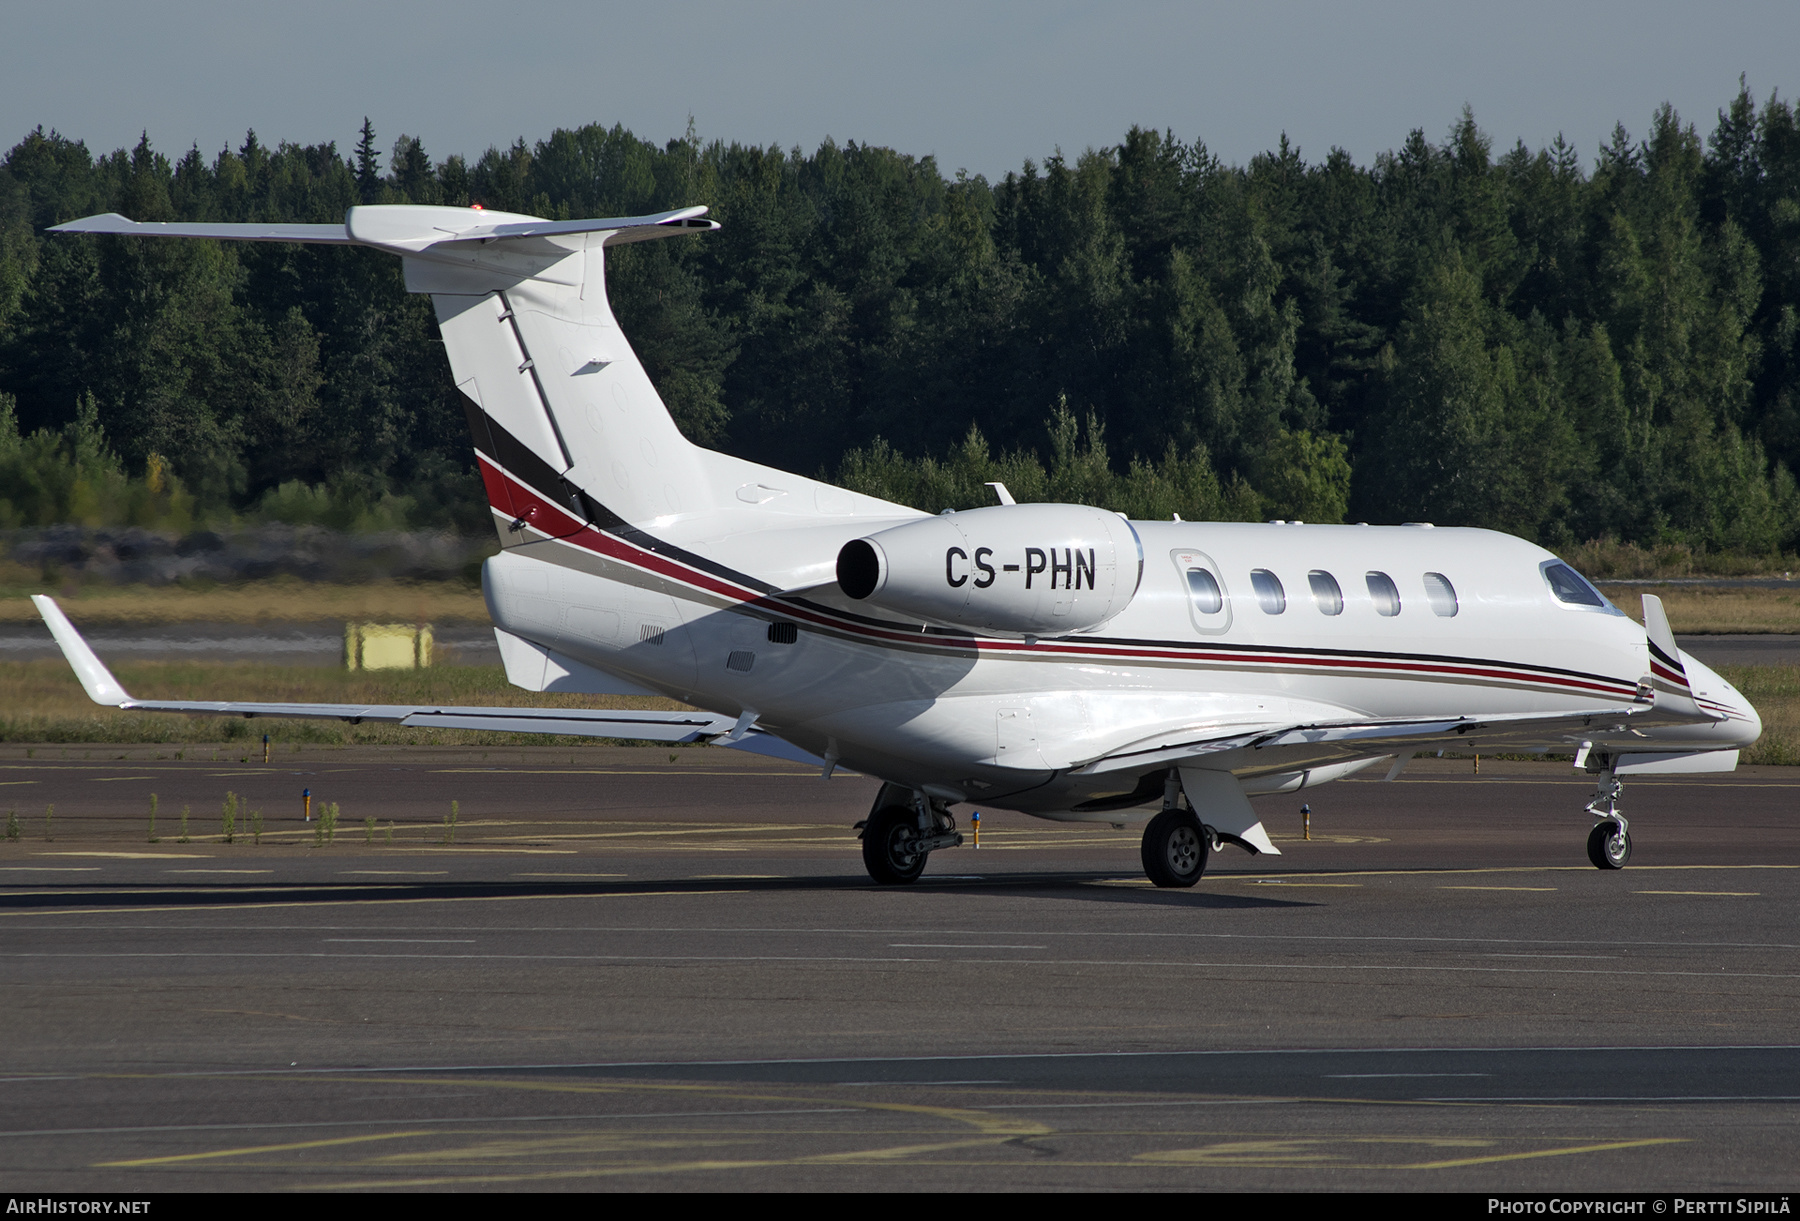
x=1054, y=659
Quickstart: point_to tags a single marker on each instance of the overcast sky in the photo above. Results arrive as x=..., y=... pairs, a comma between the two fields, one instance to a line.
x=981, y=86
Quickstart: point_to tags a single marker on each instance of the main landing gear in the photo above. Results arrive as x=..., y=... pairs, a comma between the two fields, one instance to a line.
x=1175, y=848
x=1176, y=844
x=902, y=830
x=1609, y=843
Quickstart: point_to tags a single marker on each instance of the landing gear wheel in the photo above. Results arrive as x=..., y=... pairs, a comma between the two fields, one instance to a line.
x=1609, y=845
x=1175, y=848
x=886, y=837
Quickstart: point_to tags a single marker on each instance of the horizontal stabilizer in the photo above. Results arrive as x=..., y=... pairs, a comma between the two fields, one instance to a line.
x=407, y=228
x=401, y=226
x=112, y=222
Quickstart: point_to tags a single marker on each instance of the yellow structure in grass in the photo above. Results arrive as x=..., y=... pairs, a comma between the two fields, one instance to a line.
x=386, y=646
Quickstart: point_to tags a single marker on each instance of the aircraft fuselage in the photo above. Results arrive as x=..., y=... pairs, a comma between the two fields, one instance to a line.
x=1299, y=624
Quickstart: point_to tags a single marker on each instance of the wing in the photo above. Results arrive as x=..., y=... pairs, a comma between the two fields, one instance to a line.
x=1318, y=742
x=628, y=724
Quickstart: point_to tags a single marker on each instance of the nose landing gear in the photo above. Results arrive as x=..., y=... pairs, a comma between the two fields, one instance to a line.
x=1609, y=843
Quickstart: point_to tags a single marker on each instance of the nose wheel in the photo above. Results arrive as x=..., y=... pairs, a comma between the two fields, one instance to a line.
x=1609, y=843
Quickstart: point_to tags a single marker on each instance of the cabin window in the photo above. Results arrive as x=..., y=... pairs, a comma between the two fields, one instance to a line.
x=1441, y=595
x=1326, y=594
x=1203, y=587
x=1383, y=593
x=1269, y=593
x=1569, y=586
x=1209, y=601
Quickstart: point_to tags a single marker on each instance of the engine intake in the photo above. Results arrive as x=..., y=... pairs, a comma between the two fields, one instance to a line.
x=1022, y=570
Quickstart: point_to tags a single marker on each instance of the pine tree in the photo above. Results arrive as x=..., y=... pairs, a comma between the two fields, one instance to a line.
x=368, y=171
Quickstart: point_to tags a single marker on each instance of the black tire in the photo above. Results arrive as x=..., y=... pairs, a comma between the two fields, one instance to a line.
x=1175, y=849
x=884, y=835
x=1609, y=845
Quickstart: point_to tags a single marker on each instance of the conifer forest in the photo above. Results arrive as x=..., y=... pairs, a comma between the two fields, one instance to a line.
x=1565, y=344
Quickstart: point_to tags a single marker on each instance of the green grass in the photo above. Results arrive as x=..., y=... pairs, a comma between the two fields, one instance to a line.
x=1715, y=611
x=275, y=600
x=1775, y=693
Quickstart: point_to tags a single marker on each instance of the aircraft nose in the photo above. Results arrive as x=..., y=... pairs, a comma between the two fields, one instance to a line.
x=1745, y=725
x=1742, y=726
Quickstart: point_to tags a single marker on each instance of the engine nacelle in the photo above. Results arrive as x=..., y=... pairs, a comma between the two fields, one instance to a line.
x=1018, y=570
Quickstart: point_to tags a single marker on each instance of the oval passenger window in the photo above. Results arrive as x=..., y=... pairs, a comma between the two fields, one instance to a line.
x=1441, y=594
x=1204, y=588
x=1325, y=592
x=1269, y=593
x=1383, y=593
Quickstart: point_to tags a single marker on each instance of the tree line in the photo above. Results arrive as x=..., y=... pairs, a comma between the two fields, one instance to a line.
x=1563, y=348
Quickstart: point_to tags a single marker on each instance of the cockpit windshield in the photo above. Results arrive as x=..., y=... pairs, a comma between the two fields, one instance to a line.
x=1571, y=587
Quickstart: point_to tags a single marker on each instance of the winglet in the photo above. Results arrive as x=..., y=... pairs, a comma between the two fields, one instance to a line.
x=1665, y=656
x=95, y=678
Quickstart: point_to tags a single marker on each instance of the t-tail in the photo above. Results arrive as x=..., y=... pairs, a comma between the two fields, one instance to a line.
x=569, y=430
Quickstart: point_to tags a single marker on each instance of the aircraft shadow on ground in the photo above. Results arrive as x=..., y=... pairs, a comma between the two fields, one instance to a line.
x=1084, y=887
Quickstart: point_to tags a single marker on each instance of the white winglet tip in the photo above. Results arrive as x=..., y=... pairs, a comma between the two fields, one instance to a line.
x=96, y=679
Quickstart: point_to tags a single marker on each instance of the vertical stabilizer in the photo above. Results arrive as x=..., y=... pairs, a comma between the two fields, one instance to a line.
x=568, y=426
